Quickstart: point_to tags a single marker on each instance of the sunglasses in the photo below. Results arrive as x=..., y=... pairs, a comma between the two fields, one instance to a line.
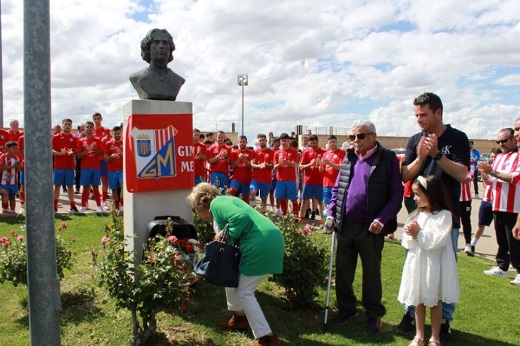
x=359, y=136
x=503, y=141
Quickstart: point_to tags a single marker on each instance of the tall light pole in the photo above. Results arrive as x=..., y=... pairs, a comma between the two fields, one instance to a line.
x=242, y=81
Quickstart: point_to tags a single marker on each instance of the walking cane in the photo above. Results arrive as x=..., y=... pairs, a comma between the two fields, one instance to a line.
x=327, y=307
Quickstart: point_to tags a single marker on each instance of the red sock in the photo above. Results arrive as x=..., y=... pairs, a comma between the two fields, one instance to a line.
x=55, y=204
x=105, y=196
x=72, y=204
x=121, y=201
x=283, y=206
x=97, y=196
x=5, y=205
x=295, y=208
x=84, y=196
x=22, y=196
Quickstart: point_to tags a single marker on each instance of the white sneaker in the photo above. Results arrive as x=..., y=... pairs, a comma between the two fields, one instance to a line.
x=21, y=211
x=278, y=213
x=100, y=209
x=83, y=210
x=496, y=271
x=121, y=208
x=468, y=250
x=516, y=281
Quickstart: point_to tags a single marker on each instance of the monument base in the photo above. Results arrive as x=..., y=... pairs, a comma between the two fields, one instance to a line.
x=143, y=207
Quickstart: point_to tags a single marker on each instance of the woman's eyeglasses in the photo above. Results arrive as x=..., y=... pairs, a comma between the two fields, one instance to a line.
x=193, y=210
x=359, y=136
x=504, y=141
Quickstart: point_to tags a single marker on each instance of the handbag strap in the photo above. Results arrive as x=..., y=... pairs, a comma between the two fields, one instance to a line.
x=225, y=236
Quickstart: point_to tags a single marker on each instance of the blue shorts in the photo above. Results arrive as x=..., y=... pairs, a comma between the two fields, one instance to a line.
x=273, y=184
x=115, y=179
x=90, y=176
x=312, y=190
x=262, y=187
x=12, y=189
x=286, y=190
x=200, y=179
x=63, y=177
x=220, y=180
x=242, y=188
x=22, y=177
x=327, y=194
x=103, y=168
x=485, y=213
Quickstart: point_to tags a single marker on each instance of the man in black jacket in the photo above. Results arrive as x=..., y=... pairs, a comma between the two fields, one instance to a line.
x=365, y=201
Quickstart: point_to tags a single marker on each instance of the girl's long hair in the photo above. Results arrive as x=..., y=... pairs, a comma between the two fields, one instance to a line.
x=436, y=192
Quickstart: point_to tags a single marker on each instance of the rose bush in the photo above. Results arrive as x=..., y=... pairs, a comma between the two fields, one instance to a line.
x=13, y=256
x=159, y=282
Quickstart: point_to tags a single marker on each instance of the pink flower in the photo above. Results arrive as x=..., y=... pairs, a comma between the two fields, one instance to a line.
x=63, y=224
x=306, y=230
x=12, y=233
x=172, y=239
x=105, y=240
x=20, y=238
x=3, y=240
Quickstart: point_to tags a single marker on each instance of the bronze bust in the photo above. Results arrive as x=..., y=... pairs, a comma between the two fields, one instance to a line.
x=157, y=81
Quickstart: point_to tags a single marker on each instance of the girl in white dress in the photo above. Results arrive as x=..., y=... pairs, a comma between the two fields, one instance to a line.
x=430, y=271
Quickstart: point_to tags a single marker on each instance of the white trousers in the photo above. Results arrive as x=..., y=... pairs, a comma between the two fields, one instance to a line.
x=243, y=298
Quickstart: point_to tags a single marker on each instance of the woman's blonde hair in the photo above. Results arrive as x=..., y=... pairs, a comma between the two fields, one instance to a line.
x=202, y=195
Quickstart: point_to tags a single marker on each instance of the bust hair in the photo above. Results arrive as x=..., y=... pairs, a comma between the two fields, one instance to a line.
x=147, y=41
x=202, y=195
x=430, y=99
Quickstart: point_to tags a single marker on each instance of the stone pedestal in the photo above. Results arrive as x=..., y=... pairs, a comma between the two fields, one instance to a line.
x=142, y=207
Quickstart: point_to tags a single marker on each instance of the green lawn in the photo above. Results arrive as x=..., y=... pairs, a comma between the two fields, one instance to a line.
x=486, y=315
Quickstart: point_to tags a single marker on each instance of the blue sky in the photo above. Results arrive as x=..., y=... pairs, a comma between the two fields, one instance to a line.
x=317, y=64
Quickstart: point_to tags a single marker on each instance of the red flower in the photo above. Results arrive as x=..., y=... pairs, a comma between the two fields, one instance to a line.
x=12, y=233
x=189, y=247
x=63, y=224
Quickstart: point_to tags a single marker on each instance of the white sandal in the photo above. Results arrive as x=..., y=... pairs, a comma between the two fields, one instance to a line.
x=416, y=342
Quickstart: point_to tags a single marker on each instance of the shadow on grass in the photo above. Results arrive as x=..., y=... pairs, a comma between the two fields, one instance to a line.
x=78, y=306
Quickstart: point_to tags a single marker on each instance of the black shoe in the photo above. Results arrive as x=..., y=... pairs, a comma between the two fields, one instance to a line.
x=373, y=325
x=473, y=250
x=407, y=324
x=445, y=333
x=73, y=210
x=344, y=316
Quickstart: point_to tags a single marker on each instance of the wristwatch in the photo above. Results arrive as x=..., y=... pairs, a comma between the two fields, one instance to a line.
x=493, y=173
x=437, y=156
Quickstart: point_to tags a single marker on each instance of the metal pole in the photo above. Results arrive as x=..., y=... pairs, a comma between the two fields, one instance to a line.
x=43, y=281
x=242, y=110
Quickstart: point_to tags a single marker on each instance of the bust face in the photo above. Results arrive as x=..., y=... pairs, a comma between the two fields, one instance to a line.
x=160, y=48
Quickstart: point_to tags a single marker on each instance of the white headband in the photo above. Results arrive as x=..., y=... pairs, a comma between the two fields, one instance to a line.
x=422, y=181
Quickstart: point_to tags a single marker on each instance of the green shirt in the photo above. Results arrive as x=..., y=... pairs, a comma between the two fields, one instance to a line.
x=261, y=242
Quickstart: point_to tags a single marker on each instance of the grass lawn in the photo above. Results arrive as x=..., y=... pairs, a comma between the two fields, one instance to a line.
x=486, y=315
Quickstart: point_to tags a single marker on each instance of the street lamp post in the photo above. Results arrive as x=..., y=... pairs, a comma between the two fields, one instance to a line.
x=242, y=81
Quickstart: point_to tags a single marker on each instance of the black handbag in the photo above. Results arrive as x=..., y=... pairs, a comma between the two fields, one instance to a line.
x=220, y=262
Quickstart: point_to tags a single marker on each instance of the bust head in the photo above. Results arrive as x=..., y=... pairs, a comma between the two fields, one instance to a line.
x=156, y=36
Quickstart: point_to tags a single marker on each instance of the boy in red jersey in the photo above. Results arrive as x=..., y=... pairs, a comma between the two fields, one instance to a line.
x=89, y=150
x=114, y=158
x=241, y=163
x=64, y=145
x=104, y=134
x=9, y=168
x=219, y=158
x=262, y=165
x=199, y=157
x=312, y=167
x=285, y=161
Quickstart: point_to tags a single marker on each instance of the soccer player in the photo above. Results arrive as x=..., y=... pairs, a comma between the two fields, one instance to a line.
x=285, y=161
x=241, y=163
x=104, y=134
x=312, y=167
x=218, y=159
x=64, y=145
x=199, y=158
x=114, y=158
x=332, y=160
x=89, y=150
x=262, y=165
x=9, y=168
